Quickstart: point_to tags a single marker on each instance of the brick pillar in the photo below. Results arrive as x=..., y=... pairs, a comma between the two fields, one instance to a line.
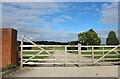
x=9, y=46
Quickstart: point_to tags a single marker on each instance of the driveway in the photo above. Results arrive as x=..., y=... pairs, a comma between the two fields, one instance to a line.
x=91, y=71
x=67, y=71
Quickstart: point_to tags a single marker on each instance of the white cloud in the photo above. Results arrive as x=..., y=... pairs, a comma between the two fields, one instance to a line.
x=37, y=34
x=37, y=13
x=36, y=19
x=109, y=14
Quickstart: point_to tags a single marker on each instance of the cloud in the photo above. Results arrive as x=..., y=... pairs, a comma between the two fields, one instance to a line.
x=36, y=19
x=109, y=14
x=35, y=13
x=36, y=34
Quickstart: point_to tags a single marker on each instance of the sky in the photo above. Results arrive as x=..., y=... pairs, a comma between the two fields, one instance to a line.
x=60, y=21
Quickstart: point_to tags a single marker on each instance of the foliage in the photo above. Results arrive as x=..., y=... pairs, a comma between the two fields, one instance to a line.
x=4, y=69
x=112, y=39
x=0, y=69
x=73, y=43
x=89, y=38
x=8, y=67
x=75, y=48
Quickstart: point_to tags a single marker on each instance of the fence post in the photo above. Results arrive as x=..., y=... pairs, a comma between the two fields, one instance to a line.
x=53, y=57
x=79, y=55
x=103, y=54
x=65, y=55
x=22, y=39
x=93, y=55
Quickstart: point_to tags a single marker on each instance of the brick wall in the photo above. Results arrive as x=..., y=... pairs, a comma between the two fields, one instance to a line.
x=9, y=46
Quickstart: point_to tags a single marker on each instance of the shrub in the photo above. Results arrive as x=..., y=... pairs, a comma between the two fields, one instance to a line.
x=72, y=48
x=0, y=69
x=83, y=48
x=10, y=66
x=4, y=69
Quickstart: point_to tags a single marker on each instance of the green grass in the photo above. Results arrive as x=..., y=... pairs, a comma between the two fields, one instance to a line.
x=59, y=48
x=46, y=48
x=36, y=52
x=49, y=48
x=36, y=57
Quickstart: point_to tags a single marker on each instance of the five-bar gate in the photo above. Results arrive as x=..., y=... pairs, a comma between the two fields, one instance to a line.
x=62, y=54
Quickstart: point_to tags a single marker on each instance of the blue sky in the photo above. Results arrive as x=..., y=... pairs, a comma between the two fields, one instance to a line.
x=60, y=21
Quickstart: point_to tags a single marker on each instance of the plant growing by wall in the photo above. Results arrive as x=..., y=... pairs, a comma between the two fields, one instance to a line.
x=8, y=67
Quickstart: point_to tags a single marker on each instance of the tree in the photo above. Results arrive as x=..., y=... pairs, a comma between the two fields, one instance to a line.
x=112, y=39
x=73, y=43
x=89, y=37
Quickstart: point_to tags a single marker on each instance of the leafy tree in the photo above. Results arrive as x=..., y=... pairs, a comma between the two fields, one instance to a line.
x=89, y=37
x=82, y=38
x=73, y=43
x=112, y=39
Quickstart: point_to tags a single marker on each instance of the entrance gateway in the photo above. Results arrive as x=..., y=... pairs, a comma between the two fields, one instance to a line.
x=60, y=54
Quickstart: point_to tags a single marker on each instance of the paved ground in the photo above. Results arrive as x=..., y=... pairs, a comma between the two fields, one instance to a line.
x=67, y=71
x=91, y=71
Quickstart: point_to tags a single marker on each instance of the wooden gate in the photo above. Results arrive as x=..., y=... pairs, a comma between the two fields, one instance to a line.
x=62, y=54
x=44, y=54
